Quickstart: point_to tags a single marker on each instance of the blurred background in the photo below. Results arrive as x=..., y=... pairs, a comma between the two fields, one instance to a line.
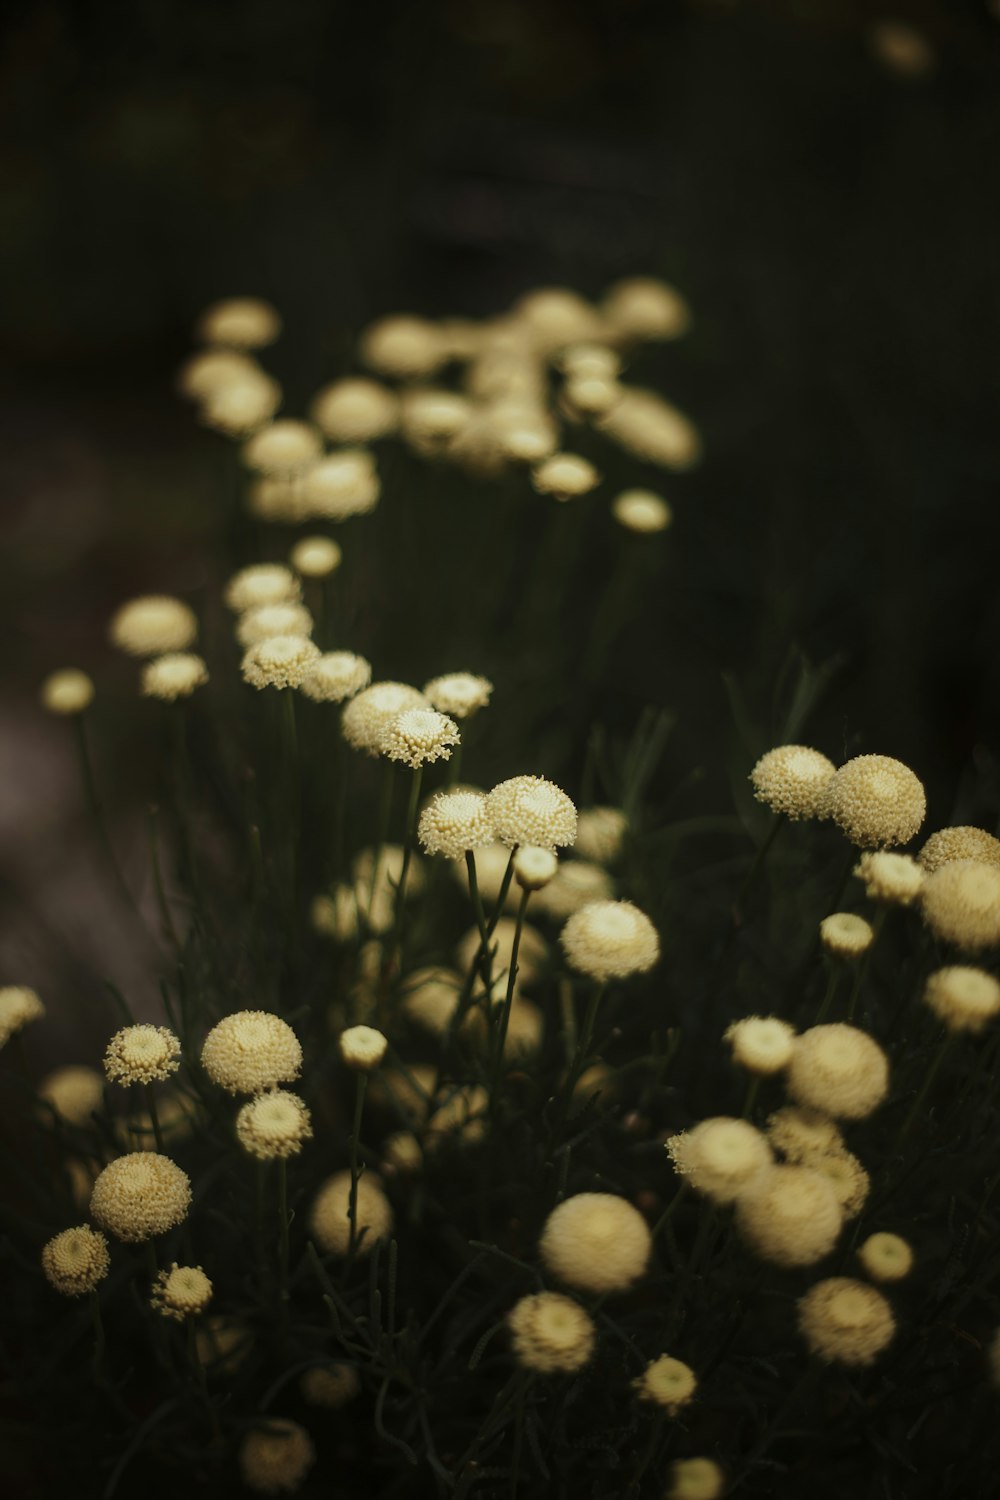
x=818, y=178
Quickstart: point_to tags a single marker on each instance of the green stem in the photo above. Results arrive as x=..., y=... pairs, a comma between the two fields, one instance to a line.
x=154, y=1117
x=361, y=1085
x=384, y=814
x=409, y=836
x=475, y=897
x=508, y=1001
x=283, y=1230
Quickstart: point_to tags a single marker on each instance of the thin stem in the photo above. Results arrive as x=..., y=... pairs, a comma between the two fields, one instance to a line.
x=579, y=1059
x=475, y=897
x=750, y=1099
x=384, y=814
x=283, y=1231
x=154, y=1117
x=508, y=1001
x=409, y=835
x=361, y=1084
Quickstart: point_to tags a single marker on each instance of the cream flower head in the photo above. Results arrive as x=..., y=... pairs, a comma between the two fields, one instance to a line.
x=695, y=1479
x=641, y=307
x=719, y=1157
x=534, y=867
x=175, y=675
x=531, y=810
x=641, y=511
x=555, y=316
x=336, y=676
x=666, y=1382
x=268, y=620
x=328, y=1219
x=281, y=661
x=590, y=361
x=454, y=822
x=845, y=934
x=19, y=1006
x=964, y=999
x=960, y=903
x=331, y=1386
x=459, y=694
x=316, y=556
x=140, y=1054
x=263, y=583
x=886, y=1257
x=74, y=1093
x=402, y=346
x=643, y=423
x=151, y=625
x=341, y=484
x=802, y=1134
x=273, y=1125
x=370, y=713
x=600, y=834
x=761, y=1044
x=241, y=406
x=875, y=801
x=362, y=1048
x=181, y=1292
x=276, y=497
x=67, y=692
x=838, y=1070
x=596, y=1241
x=589, y=396
x=277, y=1457
x=848, y=1178
x=76, y=1261
x=240, y=323
x=285, y=446
x=418, y=736
x=430, y=417
x=565, y=476
x=789, y=1215
x=551, y=1334
x=213, y=370
x=792, y=779
x=845, y=1322
x=356, y=410
x=609, y=940
x=896, y=879
x=251, y=1050
x=959, y=843
x=140, y=1196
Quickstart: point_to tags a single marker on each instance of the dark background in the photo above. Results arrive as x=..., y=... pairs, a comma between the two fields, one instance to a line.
x=832, y=220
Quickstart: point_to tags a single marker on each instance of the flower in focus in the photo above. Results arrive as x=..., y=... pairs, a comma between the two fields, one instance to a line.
x=531, y=810
x=140, y=1054
x=250, y=1051
x=273, y=1125
x=181, y=1292
x=875, y=801
x=362, y=1048
x=76, y=1261
x=454, y=822
x=281, y=661
x=792, y=779
x=418, y=736
x=140, y=1196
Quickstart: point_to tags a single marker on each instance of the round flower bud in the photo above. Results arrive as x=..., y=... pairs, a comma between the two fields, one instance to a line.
x=273, y=1124
x=285, y=446
x=959, y=843
x=596, y=1241
x=67, y=692
x=362, y=1048
x=140, y=1054
x=355, y=410
x=240, y=323
x=213, y=370
x=181, y=1292
x=644, y=424
x=454, y=822
x=459, y=694
x=875, y=801
x=839, y=1071
x=576, y=884
x=152, y=625
x=336, y=676
x=641, y=307
x=519, y=431
x=551, y=1334
x=173, y=676
x=846, y=935
x=429, y=998
x=402, y=346
x=316, y=556
x=76, y=1261
x=531, y=810
x=278, y=498
x=600, y=834
x=960, y=903
x=341, y=485
x=609, y=940
x=332, y=1386
x=589, y=361
x=802, y=1134
x=281, y=661
x=589, y=396
x=139, y=1196
x=848, y=1178
x=431, y=417
x=761, y=1044
x=695, y=1479
x=531, y=953
x=791, y=780
x=565, y=476
x=74, y=1093
x=720, y=1157
x=241, y=406
x=367, y=716
x=269, y=620
x=789, y=1215
x=964, y=999
x=845, y=1322
x=250, y=1051
x=886, y=1257
x=264, y=583
x=893, y=878
x=419, y=736
x=328, y=1219
x=641, y=511
x=19, y=1006
x=533, y=867
x=276, y=1459
x=666, y=1382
